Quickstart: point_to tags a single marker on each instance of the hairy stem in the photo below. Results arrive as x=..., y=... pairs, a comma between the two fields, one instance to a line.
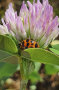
x=23, y=85
x=23, y=82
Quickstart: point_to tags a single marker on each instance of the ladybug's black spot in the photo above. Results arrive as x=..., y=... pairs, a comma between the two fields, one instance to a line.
x=23, y=43
x=26, y=47
x=36, y=45
x=31, y=42
x=27, y=44
x=27, y=40
x=58, y=26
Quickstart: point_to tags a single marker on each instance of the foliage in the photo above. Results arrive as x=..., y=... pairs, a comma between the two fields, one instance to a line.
x=7, y=44
x=9, y=60
x=43, y=56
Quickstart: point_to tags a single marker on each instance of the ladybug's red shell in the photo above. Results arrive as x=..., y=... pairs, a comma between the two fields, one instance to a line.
x=28, y=44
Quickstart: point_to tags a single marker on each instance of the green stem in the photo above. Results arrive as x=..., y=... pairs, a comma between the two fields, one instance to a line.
x=21, y=68
x=26, y=67
x=23, y=85
x=23, y=82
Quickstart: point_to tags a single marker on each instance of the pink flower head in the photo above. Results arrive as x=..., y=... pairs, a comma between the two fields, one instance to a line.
x=34, y=22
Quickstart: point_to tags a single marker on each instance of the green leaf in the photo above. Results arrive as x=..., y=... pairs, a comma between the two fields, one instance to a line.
x=54, y=50
x=8, y=57
x=42, y=56
x=8, y=63
x=13, y=38
x=7, y=44
x=56, y=46
x=7, y=69
x=35, y=77
x=4, y=54
x=51, y=69
x=37, y=66
x=54, y=42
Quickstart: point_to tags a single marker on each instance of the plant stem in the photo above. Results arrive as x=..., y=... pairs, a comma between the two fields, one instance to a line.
x=23, y=85
x=23, y=82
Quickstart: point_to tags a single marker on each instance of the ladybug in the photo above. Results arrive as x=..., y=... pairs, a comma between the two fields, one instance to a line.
x=28, y=44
